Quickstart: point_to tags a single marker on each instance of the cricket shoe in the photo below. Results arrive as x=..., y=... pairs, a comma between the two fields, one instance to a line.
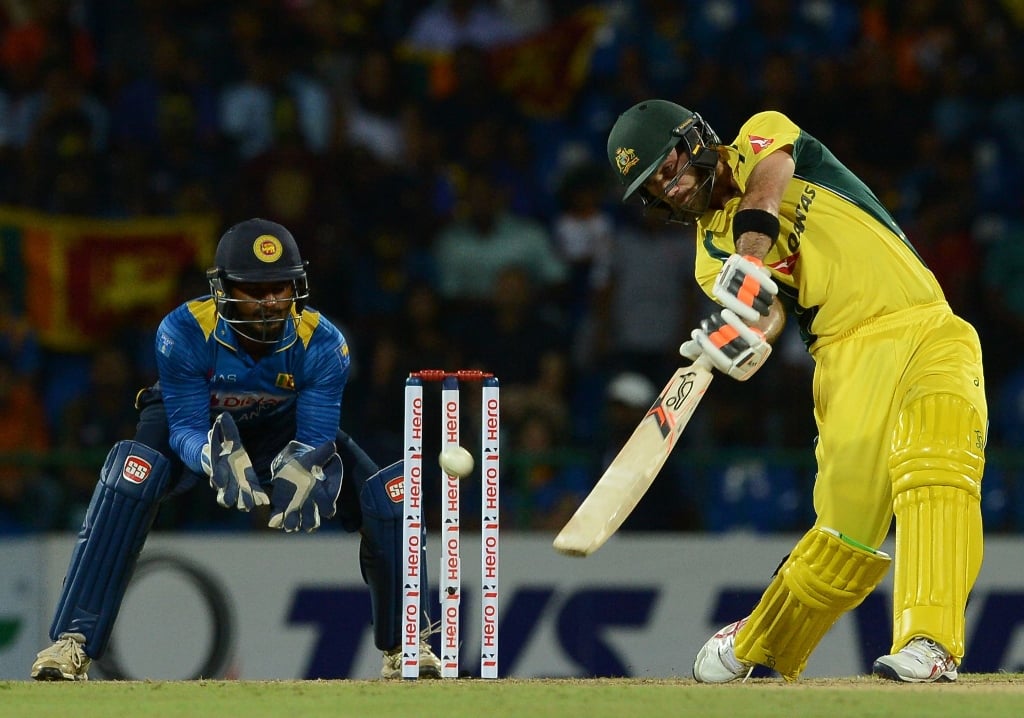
x=65, y=660
x=430, y=664
x=920, y=661
x=716, y=662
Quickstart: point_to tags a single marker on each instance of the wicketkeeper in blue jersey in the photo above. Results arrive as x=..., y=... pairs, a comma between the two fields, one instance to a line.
x=249, y=399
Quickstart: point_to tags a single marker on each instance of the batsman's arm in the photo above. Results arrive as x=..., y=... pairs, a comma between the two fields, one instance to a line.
x=744, y=285
x=763, y=193
x=765, y=187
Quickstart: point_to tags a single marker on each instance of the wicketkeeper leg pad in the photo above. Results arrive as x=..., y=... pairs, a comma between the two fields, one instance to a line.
x=380, y=554
x=937, y=463
x=825, y=576
x=120, y=514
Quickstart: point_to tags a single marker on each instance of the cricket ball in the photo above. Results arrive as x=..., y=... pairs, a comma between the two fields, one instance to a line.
x=456, y=461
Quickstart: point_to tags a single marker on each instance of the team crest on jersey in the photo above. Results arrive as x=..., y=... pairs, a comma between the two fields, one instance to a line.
x=285, y=381
x=267, y=248
x=625, y=159
x=760, y=143
x=396, y=490
x=136, y=469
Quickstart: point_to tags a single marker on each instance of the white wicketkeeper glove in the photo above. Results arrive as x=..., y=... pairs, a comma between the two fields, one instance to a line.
x=229, y=467
x=746, y=287
x=732, y=347
x=305, y=485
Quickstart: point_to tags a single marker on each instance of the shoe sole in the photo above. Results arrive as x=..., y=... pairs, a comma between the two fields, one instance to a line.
x=425, y=672
x=734, y=677
x=889, y=673
x=54, y=674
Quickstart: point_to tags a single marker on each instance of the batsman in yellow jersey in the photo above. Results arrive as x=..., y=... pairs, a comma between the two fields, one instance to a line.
x=783, y=228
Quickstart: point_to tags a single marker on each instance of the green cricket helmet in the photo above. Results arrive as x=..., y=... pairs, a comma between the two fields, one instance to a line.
x=642, y=138
x=257, y=251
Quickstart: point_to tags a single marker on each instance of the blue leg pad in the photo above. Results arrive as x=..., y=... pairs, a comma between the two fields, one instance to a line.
x=380, y=552
x=120, y=514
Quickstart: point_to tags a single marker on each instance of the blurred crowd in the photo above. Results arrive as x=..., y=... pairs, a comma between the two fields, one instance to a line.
x=453, y=219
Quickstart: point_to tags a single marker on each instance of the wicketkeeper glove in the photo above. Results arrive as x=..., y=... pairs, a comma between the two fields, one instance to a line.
x=746, y=287
x=732, y=347
x=230, y=470
x=305, y=486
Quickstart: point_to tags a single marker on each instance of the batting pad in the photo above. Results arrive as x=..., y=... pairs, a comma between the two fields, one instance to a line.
x=380, y=554
x=825, y=576
x=120, y=514
x=937, y=464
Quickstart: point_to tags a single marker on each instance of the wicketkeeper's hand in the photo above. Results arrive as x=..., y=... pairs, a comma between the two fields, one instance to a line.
x=229, y=467
x=733, y=347
x=746, y=287
x=305, y=486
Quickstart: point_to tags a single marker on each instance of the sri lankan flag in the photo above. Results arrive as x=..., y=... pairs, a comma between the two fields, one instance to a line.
x=80, y=279
x=542, y=72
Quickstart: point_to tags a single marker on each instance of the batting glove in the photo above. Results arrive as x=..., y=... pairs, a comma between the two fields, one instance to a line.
x=746, y=287
x=732, y=347
x=305, y=486
x=230, y=470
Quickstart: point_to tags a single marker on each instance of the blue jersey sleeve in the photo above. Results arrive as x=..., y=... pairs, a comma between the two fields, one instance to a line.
x=183, y=369
x=326, y=368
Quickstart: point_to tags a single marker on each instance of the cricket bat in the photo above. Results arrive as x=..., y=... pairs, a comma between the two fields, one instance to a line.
x=634, y=468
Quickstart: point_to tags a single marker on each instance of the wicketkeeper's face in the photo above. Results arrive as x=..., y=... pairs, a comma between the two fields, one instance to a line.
x=262, y=306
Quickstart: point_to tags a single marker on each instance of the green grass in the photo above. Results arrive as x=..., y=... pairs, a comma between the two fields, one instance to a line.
x=990, y=696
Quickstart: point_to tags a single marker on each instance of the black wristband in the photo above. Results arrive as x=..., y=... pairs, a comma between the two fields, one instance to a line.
x=755, y=220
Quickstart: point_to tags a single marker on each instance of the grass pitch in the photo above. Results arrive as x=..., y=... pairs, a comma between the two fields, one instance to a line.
x=989, y=695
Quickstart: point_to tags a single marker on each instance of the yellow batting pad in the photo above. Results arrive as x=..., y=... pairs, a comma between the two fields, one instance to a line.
x=825, y=576
x=939, y=440
x=937, y=464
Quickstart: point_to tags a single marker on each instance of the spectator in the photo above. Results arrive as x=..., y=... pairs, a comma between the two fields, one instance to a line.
x=513, y=330
x=649, y=302
x=92, y=422
x=487, y=238
x=446, y=24
x=42, y=33
x=64, y=129
x=164, y=135
x=373, y=111
x=274, y=99
x=583, y=234
x=29, y=495
x=668, y=504
x=547, y=487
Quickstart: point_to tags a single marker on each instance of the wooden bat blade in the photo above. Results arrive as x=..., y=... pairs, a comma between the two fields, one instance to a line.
x=634, y=468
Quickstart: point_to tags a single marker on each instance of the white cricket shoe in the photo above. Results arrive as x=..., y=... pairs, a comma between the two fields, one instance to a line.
x=430, y=664
x=716, y=662
x=65, y=660
x=920, y=661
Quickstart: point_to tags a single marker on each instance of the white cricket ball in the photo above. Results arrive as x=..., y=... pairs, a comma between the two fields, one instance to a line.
x=456, y=461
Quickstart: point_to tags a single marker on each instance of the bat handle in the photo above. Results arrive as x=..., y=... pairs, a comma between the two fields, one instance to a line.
x=703, y=362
